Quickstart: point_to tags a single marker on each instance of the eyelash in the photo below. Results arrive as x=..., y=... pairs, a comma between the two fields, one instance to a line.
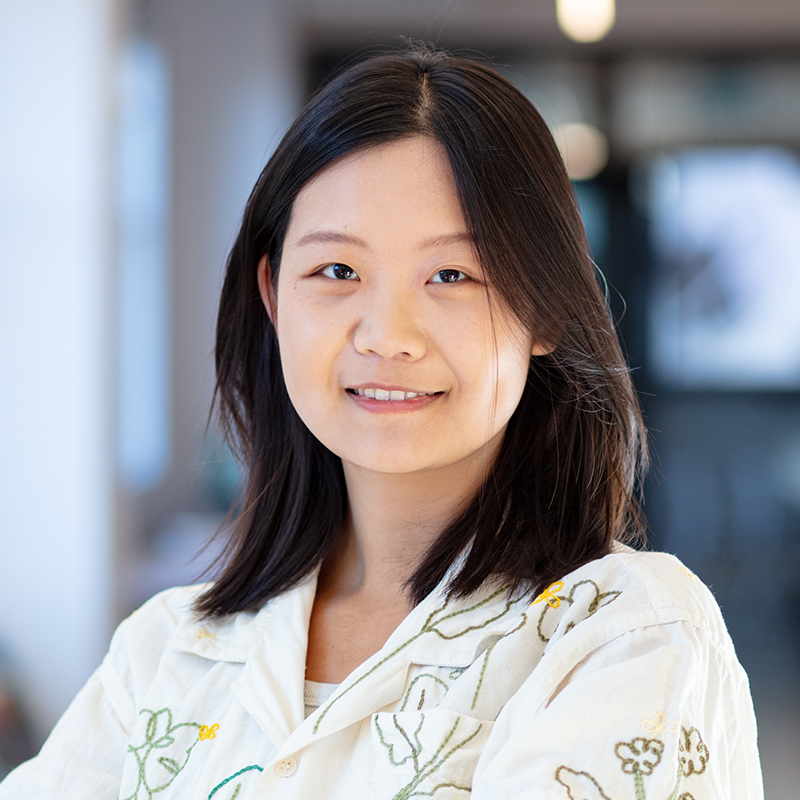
x=331, y=267
x=330, y=272
x=463, y=275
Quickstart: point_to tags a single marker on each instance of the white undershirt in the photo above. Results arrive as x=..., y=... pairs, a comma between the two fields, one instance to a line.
x=315, y=694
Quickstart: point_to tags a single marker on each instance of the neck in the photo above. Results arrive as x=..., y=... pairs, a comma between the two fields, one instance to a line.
x=392, y=520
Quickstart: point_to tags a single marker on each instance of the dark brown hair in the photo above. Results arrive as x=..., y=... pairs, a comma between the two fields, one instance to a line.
x=562, y=486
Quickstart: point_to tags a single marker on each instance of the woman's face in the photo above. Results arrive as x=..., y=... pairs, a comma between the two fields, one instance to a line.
x=392, y=354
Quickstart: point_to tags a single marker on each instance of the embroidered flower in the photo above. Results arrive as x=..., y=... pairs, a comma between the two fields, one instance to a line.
x=633, y=755
x=424, y=748
x=655, y=727
x=692, y=742
x=209, y=731
x=549, y=595
x=585, y=593
x=580, y=785
x=202, y=633
x=162, y=755
x=687, y=572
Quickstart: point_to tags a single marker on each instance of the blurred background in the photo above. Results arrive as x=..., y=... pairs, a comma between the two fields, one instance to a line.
x=131, y=132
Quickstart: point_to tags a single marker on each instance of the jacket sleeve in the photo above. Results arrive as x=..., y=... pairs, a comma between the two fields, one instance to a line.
x=660, y=712
x=82, y=757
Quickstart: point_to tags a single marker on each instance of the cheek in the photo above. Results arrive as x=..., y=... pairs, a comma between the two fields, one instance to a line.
x=507, y=363
x=306, y=343
x=513, y=369
x=494, y=360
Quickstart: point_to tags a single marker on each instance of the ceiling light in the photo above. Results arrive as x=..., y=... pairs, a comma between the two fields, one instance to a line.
x=583, y=148
x=585, y=20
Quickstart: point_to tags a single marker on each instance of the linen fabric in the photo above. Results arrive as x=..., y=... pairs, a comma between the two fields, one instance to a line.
x=619, y=681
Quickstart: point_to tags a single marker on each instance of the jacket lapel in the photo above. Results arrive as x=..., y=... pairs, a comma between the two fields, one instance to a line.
x=270, y=686
x=273, y=642
x=437, y=632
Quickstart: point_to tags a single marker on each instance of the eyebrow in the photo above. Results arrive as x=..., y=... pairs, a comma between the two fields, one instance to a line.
x=330, y=237
x=338, y=237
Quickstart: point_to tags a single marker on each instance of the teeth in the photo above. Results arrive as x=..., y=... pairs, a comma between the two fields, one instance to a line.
x=394, y=394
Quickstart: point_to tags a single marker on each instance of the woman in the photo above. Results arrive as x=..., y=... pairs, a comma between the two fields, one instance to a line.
x=426, y=592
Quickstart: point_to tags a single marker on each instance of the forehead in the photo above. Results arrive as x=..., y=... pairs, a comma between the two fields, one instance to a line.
x=406, y=186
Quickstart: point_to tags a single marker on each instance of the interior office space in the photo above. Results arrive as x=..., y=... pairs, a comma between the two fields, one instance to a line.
x=139, y=127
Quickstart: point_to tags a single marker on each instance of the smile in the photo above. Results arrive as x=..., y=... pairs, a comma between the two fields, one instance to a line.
x=391, y=395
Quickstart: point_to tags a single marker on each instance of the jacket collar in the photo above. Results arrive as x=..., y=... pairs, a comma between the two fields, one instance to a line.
x=272, y=644
x=231, y=638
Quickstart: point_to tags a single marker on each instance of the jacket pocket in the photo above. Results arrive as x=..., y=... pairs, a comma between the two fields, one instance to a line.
x=417, y=753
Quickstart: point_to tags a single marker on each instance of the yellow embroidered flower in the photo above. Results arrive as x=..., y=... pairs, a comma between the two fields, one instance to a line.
x=549, y=595
x=687, y=572
x=202, y=633
x=655, y=727
x=208, y=731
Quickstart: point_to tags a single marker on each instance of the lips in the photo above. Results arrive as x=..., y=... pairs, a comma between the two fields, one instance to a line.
x=389, y=395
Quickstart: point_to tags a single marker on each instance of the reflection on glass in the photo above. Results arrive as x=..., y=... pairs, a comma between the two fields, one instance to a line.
x=725, y=305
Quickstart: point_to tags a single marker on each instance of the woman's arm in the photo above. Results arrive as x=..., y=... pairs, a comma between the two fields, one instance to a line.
x=83, y=756
x=659, y=713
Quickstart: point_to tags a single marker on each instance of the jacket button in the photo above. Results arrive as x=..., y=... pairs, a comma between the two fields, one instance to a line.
x=286, y=767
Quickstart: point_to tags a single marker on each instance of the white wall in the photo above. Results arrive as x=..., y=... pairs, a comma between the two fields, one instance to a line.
x=55, y=323
x=235, y=83
x=234, y=78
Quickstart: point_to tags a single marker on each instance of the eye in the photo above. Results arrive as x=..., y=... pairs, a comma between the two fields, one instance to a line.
x=448, y=276
x=339, y=272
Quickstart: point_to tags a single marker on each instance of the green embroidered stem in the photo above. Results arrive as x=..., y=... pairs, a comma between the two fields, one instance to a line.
x=422, y=699
x=235, y=775
x=414, y=752
x=415, y=747
x=153, y=741
x=677, y=788
x=639, y=782
x=486, y=659
x=432, y=765
x=472, y=627
x=428, y=627
x=441, y=786
x=480, y=677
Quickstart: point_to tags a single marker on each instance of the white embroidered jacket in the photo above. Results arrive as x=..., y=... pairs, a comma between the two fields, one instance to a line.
x=618, y=682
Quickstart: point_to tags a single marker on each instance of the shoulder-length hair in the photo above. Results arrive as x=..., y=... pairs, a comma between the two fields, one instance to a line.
x=562, y=486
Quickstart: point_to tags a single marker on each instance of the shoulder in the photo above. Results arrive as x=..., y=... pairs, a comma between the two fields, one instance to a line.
x=140, y=641
x=630, y=589
x=166, y=611
x=637, y=679
x=168, y=627
x=633, y=617
x=149, y=629
x=169, y=622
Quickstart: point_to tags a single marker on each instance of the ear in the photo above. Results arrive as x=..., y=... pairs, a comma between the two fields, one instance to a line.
x=542, y=348
x=265, y=289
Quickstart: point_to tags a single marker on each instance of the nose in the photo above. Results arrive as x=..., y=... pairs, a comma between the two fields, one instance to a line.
x=390, y=326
